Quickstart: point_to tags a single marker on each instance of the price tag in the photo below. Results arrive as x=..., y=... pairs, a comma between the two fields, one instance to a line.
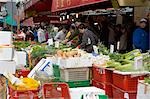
x=95, y=49
x=57, y=44
x=111, y=48
x=50, y=42
x=138, y=62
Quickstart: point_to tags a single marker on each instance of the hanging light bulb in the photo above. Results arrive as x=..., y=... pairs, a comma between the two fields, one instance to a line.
x=67, y=16
x=77, y=15
x=60, y=18
x=63, y=17
x=72, y=20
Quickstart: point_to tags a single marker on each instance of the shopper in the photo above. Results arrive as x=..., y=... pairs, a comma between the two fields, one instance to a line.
x=140, y=36
x=88, y=39
x=60, y=36
x=112, y=35
x=29, y=35
x=41, y=35
x=123, y=39
x=35, y=34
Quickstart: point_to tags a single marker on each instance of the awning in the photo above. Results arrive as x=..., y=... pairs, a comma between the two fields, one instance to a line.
x=143, y=3
x=33, y=7
x=9, y=20
x=59, y=5
x=28, y=22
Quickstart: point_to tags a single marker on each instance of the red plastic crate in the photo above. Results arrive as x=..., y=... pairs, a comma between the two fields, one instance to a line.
x=56, y=91
x=126, y=82
x=121, y=94
x=99, y=74
x=108, y=90
x=23, y=73
x=22, y=94
x=98, y=84
x=109, y=75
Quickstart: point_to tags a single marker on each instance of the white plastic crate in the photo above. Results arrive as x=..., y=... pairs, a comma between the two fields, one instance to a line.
x=6, y=53
x=143, y=91
x=74, y=74
x=5, y=38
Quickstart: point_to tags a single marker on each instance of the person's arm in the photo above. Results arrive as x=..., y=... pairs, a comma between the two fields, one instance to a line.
x=57, y=37
x=84, y=41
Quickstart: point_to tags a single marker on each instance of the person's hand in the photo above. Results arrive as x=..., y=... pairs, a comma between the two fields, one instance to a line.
x=65, y=41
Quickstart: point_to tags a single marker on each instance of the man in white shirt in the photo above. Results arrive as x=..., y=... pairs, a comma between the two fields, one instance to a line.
x=41, y=35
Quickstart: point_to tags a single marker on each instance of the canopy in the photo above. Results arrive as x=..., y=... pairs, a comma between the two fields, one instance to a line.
x=9, y=20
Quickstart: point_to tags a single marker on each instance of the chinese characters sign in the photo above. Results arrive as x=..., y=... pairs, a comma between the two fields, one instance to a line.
x=58, y=5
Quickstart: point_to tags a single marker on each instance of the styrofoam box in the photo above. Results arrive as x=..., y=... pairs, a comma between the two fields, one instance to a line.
x=74, y=62
x=7, y=67
x=68, y=63
x=85, y=62
x=52, y=59
x=6, y=53
x=5, y=38
x=76, y=93
x=143, y=91
x=20, y=58
x=43, y=65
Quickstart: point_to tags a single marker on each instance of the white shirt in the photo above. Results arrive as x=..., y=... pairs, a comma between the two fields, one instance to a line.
x=60, y=36
x=41, y=35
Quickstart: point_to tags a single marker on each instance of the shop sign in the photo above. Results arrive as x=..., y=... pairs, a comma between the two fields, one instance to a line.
x=58, y=5
x=30, y=3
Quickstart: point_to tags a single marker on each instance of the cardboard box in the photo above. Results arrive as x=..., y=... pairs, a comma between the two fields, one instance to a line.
x=6, y=53
x=7, y=67
x=5, y=38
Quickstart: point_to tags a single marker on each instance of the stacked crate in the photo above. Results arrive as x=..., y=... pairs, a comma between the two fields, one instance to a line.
x=102, y=78
x=117, y=85
x=75, y=76
x=7, y=65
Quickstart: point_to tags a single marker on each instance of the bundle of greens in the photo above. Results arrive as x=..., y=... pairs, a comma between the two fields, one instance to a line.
x=21, y=44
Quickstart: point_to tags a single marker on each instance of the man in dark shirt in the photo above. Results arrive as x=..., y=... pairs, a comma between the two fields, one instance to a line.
x=88, y=39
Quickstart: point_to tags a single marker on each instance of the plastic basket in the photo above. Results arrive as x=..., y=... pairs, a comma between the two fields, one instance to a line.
x=109, y=76
x=55, y=91
x=74, y=74
x=23, y=73
x=20, y=94
x=74, y=84
x=56, y=71
x=126, y=82
x=99, y=74
x=121, y=94
x=98, y=84
x=108, y=90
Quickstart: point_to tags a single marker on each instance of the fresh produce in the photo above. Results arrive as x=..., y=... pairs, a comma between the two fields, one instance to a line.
x=66, y=53
x=21, y=44
x=132, y=54
x=113, y=64
x=102, y=49
x=125, y=68
x=116, y=56
x=147, y=80
x=38, y=51
x=27, y=84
